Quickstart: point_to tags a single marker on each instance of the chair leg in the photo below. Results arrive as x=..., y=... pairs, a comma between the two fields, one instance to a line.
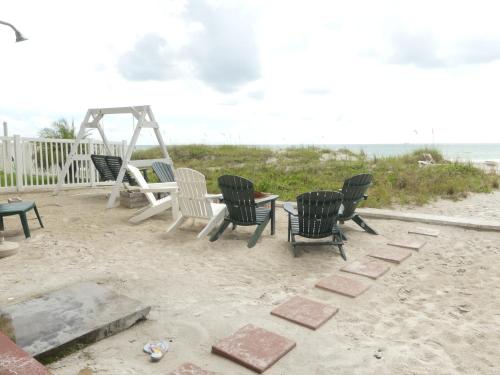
x=1, y=223
x=342, y=253
x=176, y=223
x=358, y=220
x=211, y=224
x=258, y=232
x=24, y=222
x=342, y=235
x=219, y=232
x=38, y=216
x=294, y=246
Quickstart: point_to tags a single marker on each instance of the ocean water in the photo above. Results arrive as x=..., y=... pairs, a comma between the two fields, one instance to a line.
x=476, y=152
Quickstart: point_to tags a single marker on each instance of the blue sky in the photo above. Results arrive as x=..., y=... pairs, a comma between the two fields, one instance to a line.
x=304, y=72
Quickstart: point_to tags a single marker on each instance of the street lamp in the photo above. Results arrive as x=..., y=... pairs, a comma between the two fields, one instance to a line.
x=19, y=36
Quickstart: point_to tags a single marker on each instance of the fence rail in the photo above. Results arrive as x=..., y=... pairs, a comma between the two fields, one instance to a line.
x=29, y=164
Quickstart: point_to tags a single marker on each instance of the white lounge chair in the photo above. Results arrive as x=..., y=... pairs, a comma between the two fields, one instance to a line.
x=156, y=206
x=194, y=202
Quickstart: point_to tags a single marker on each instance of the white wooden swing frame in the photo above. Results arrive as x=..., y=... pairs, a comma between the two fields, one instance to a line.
x=145, y=119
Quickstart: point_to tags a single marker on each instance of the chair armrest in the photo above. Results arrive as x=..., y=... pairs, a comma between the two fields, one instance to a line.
x=288, y=207
x=264, y=200
x=213, y=196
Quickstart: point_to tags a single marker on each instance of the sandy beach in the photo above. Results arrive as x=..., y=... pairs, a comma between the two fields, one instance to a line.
x=436, y=313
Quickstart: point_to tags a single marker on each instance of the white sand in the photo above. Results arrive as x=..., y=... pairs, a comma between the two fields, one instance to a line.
x=437, y=313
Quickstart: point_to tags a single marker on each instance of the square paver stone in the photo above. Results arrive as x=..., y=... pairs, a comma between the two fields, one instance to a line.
x=190, y=369
x=391, y=254
x=15, y=361
x=425, y=231
x=413, y=245
x=343, y=285
x=83, y=312
x=366, y=267
x=306, y=312
x=254, y=347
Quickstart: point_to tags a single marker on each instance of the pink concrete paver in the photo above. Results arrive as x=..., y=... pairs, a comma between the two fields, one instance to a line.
x=254, y=347
x=391, y=255
x=190, y=369
x=366, y=267
x=343, y=285
x=413, y=245
x=424, y=231
x=306, y=312
x=15, y=361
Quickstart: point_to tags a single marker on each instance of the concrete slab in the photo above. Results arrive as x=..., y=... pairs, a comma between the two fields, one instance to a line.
x=190, y=369
x=84, y=312
x=366, y=267
x=343, y=285
x=15, y=361
x=391, y=255
x=254, y=347
x=468, y=223
x=424, y=231
x=306, y=312
x=406, y=244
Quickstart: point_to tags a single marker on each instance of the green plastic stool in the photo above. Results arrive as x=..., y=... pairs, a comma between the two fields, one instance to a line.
x=19, y=208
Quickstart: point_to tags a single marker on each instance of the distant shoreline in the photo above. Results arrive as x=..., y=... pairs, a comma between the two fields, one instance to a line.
x=463, y=152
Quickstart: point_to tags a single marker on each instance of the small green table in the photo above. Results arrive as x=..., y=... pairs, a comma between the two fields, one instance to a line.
x=19, y=208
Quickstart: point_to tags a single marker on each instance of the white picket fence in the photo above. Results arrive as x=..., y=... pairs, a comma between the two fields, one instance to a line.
x=30, y=164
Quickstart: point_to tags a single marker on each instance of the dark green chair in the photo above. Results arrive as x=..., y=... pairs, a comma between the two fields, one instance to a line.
x=354, y=191
x=163, y=171
x=19, y=208
x=239, y=197
x=315, y=218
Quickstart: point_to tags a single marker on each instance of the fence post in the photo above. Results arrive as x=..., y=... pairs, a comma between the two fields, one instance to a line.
x=7, y=149
x=91, y=164
x=18, y=162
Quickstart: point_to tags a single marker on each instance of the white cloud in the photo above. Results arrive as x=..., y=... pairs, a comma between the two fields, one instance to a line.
x=258, y=71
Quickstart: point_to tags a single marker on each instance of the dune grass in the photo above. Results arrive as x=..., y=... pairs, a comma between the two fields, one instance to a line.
x=292, y=171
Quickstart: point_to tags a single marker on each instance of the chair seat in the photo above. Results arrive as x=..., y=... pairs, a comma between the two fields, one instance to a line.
x=294, y=222
x=14, y=207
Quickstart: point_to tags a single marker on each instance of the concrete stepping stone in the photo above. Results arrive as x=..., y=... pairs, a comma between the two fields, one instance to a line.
x=424, y=231
x=190, y=369
x=15, y=361
x=83, y=312
x=413, y=245
x=366, y=267
x=391, y=255
x=254, y=347
x=343, y=285
x=306, y=312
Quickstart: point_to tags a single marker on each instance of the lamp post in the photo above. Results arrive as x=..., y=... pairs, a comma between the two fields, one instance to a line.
x=19, y=36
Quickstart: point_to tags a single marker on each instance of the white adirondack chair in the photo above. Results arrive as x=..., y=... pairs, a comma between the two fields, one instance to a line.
x=194, y=202
x=156, y=206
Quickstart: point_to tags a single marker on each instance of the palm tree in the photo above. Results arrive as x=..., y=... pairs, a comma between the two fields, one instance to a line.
x=60, y=129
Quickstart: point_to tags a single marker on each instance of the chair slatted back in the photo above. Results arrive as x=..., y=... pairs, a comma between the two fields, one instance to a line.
x=163, y=171
x=139, y=178
x=354, y=189
x=192, y=194
x=317, y=213
x=238, y=195
x=114, y=164
x=100, y=164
